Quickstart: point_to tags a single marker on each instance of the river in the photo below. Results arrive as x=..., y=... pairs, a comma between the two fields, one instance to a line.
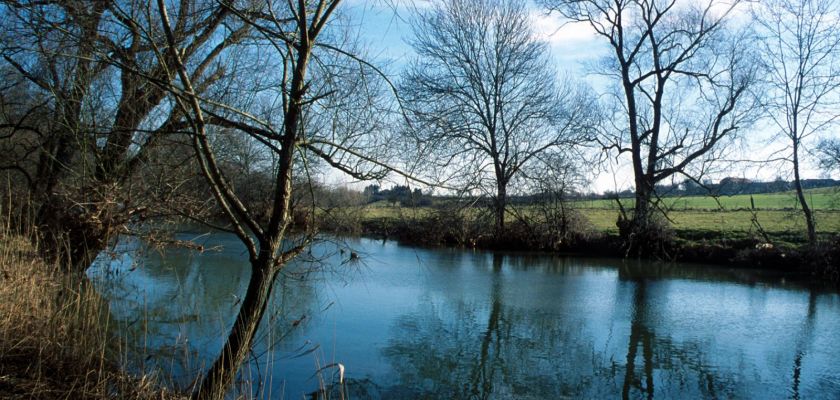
x=408, y=322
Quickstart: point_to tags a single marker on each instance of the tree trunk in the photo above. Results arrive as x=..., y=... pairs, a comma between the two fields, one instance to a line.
x=69, y=236
x=800, y=195
x=640, y=233
x=501, y=204
x=221, y=374
x=66, y=234
x=641, y=210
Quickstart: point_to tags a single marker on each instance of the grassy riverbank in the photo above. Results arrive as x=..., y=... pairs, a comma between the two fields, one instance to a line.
x=786, y=225
x=758, y=231
x=774, y=214
x=819, y=199
x=55, y=341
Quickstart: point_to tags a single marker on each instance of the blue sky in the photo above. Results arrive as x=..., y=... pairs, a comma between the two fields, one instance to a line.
x=383, y=26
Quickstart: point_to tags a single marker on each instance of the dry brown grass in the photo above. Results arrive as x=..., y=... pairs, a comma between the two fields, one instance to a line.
x=54, y=336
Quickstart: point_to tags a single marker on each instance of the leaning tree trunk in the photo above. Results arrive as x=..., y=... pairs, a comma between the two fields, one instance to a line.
x=221, y=374
x=265, y=261
x=264, y=268
x=800, y=195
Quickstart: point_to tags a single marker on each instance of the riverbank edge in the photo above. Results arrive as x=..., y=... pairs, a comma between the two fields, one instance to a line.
x=821, y=262
x=55, y=341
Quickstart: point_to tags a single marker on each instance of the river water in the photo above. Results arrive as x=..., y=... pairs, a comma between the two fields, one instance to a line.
x=408, y=322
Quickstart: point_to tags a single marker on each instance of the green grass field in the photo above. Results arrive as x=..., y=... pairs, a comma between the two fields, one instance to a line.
x=818, y=199
x=772, y=221
x=777, y=213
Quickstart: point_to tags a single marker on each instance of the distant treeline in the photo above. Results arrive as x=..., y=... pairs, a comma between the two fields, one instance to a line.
x=401, y=194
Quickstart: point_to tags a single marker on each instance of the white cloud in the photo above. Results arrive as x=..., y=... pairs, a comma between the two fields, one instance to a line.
x=553, y=29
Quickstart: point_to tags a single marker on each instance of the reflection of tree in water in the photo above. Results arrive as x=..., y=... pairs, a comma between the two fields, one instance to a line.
x=479, y=351
x=445, y=359
x=640, y=336
x=508, y=342
x=802, y=343
x=656, y=365
x=170, y=308
x=495, y=350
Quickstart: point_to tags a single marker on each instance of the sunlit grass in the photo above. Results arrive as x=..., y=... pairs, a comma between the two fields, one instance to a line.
x=776, y=213
x=818, y=199
x=774, y=221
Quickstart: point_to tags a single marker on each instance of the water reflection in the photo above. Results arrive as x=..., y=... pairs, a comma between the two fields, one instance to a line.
x=803, y=342
x=416, y=323
x=659, y=363
x=640, y=336
x=499, y=349
x=174, y=307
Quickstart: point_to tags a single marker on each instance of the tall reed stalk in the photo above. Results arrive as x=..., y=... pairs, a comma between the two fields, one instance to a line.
x=55, y=341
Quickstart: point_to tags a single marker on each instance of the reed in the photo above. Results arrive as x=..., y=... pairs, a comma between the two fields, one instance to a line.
x=55, y=341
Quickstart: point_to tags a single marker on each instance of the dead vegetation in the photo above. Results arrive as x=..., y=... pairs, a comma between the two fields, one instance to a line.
x=55, y=341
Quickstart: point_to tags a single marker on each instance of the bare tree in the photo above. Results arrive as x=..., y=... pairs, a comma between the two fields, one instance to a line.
x=319, y=98
x=481, y=88
x=830, y=154
x=682, y=90
x=92, y=66
x=801, y=50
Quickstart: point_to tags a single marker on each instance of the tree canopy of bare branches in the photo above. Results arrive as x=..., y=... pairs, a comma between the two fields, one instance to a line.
x=481, y=91
x=96, y=106
x=682, y=81
x=800, y=46
x=829, y=154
